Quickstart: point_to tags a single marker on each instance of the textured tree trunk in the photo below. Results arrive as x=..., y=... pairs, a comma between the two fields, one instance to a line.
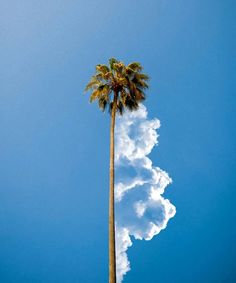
x=112, y=240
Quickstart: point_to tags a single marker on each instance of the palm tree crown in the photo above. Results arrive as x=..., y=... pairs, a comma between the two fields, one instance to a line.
x=126, y=82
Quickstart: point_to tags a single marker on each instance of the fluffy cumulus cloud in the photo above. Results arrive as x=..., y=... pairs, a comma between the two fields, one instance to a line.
x=141, y=209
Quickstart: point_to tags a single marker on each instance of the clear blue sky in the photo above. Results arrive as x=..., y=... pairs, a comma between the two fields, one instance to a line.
x=54, y=144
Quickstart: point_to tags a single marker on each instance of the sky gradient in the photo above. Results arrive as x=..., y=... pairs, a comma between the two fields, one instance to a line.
x=54, y=146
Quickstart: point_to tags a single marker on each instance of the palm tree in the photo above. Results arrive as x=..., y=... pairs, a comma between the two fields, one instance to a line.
x=116, y=87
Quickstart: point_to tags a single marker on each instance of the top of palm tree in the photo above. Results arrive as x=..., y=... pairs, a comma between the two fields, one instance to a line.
x=127, y=83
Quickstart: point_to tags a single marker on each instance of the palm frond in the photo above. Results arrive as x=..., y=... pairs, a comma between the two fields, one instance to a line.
x=139, y=82
x=142, y=76
x=139, y=95
x=123, y=96
x=134, y=67
x=112, y=61
x=102, y=68
x=119, y=67
x=103, y=102
x=131, y=104
x=120, y=107
x=92, y=83
x=95, y=94
x=110, y=107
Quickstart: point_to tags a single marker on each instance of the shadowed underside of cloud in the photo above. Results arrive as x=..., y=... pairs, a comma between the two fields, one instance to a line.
x=141, y=210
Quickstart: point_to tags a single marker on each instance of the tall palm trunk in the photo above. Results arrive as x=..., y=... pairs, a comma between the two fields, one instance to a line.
x=112, y=240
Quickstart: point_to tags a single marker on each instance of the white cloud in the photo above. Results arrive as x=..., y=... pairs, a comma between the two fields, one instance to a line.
x=141, y=210
x=123, y=242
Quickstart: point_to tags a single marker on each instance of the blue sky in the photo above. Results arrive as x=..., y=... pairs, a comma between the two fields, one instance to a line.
x=54, y=144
